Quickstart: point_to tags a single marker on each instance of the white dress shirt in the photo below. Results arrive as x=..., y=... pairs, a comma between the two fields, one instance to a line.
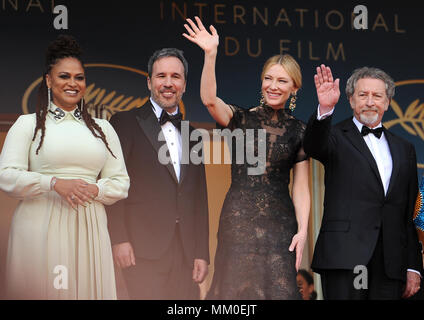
x=381, y=153
x=172, y=137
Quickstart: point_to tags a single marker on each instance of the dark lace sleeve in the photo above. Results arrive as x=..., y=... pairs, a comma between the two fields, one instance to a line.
x=237, y=121
x=301, y=155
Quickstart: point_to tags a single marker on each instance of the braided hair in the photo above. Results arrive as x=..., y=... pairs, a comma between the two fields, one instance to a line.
x=65, y=46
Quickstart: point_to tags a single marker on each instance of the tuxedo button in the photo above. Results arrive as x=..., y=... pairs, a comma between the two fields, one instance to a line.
x=376, y=227
x=177, y=220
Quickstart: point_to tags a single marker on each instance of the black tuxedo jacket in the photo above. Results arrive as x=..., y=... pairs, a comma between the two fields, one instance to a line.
x=147, y=218
x=355, y=207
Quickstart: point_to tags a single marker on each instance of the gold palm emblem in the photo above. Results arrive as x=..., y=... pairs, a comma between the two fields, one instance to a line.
x=412, y=120
x=103, y=105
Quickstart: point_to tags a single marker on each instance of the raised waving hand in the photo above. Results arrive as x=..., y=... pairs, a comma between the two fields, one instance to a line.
x=328, y=91
x=199, y=35
x=209, y=42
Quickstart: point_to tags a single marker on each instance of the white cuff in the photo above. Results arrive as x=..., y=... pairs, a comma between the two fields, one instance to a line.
x=45, y=182
x=100, y=195
x=325, y=115
x=412, y=270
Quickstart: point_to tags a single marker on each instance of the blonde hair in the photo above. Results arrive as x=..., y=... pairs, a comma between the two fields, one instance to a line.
x=289, y=64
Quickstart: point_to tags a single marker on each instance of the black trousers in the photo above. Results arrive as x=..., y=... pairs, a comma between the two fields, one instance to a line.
x=345, y=284
x=167, y=278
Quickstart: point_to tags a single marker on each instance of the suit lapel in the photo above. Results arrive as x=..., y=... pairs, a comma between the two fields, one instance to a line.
x=185, y=151
x=148, y=122
x=355, y=137
x=183, y=172
x=188, y=149
x=394, y=151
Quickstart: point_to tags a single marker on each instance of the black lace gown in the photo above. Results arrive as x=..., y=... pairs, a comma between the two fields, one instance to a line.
x=258, y=221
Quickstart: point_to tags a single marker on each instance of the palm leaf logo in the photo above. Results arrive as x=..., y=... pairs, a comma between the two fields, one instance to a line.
x=412, y=120
x=103, y=105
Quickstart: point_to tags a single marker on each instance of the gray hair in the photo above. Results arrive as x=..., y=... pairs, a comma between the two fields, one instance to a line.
x=373, y=73
x=167, y=52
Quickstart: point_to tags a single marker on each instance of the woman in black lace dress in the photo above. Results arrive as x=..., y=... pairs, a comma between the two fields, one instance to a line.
x=262, y=231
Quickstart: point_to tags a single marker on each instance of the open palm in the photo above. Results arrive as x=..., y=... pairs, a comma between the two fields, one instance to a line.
x=200, y=36
x=328, y=90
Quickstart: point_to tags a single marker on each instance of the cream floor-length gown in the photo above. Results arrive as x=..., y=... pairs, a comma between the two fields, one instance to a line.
x=54, y=251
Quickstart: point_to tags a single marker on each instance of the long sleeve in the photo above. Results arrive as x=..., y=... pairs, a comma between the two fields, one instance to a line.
x=15, y=178
x=114, y=181
x=317, y=137
x=202, y=218
x=117, y=212
x=414, y=252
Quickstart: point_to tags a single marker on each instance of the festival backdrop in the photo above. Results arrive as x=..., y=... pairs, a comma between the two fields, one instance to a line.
x=118, y=38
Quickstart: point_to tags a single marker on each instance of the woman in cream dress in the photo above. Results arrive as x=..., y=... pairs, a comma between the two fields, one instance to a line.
x=64, y=166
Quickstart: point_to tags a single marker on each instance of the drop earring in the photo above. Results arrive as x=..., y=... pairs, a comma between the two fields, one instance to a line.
x=293, y=99
x=262, y=100
x=48, y=98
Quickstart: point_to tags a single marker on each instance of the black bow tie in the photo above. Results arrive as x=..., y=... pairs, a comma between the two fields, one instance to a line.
x=175, y=119
x=377, y=132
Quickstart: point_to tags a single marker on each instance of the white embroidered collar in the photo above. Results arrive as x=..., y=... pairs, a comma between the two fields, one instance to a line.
x=59, y=114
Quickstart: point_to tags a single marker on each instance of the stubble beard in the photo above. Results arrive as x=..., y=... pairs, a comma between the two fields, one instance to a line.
x=169, y=107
